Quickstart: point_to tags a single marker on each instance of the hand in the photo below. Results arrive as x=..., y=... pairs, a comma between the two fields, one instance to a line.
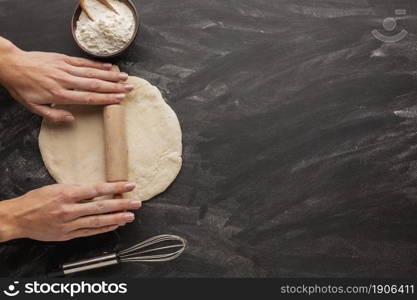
x=38, y=79
x=64, y=212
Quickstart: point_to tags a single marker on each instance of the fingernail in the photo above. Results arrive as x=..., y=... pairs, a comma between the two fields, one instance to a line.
x=107, y=65
x=69, y=118
x=120, y=96
x=130, y=186
x=135, y=204
x=123, y=76
x=129, y=217
x=129, y=87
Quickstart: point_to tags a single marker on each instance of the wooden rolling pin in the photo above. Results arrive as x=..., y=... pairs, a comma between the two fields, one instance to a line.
x=115, y=140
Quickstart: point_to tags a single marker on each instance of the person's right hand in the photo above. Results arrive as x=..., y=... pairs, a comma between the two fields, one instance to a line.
x=63, y=212
x=38, y=79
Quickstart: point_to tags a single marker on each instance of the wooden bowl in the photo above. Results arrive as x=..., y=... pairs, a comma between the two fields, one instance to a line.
x=76, y=16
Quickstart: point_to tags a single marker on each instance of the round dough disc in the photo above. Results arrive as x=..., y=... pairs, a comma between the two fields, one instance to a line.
x=74, y=152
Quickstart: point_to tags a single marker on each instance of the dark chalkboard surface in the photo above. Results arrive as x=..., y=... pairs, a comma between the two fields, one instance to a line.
x=300, y=137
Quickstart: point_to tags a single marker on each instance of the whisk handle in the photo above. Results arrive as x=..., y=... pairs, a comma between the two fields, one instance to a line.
x=87, y=264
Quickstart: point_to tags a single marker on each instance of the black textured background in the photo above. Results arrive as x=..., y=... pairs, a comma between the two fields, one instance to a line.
x=300, y=141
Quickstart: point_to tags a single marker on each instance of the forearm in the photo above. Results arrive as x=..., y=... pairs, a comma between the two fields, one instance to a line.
x=7, y=50
x=8, y=223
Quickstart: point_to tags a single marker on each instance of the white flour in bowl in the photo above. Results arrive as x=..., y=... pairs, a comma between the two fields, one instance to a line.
x=109, y=32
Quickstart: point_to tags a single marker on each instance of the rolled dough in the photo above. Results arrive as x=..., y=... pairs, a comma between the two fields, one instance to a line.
x=74, y=152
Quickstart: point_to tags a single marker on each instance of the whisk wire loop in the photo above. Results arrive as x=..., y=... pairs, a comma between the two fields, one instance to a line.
x=135, y=253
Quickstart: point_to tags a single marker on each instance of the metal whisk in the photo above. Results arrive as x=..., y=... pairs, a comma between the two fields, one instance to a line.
x=160, y=248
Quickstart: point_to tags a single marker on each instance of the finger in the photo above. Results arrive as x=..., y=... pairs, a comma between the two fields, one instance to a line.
x=89, y=98
x=97, y=74
x=78, y=193
x=89, y=232
x=53, y=114
x=105, y=206
x=83, y=62
x=119, y=219
x=98, y=86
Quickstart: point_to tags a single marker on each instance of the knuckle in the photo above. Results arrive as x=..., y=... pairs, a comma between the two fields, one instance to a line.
x=60, y=57
x=64, y=213
x=114, y=76
x=65, y=78
x=62, y=66
x=62, y=195
x=89, y=193
x=67, y=59
x=100, y=206
x=97, y=188
x=104, y=189
x=94, y=85
x=89, y=98
x=49, y=116
x=57, y=92
x=90, y=74
x=94, y=222
x=52, y=117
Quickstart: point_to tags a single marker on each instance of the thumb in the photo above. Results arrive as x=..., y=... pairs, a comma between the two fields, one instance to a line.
x=53, y=114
